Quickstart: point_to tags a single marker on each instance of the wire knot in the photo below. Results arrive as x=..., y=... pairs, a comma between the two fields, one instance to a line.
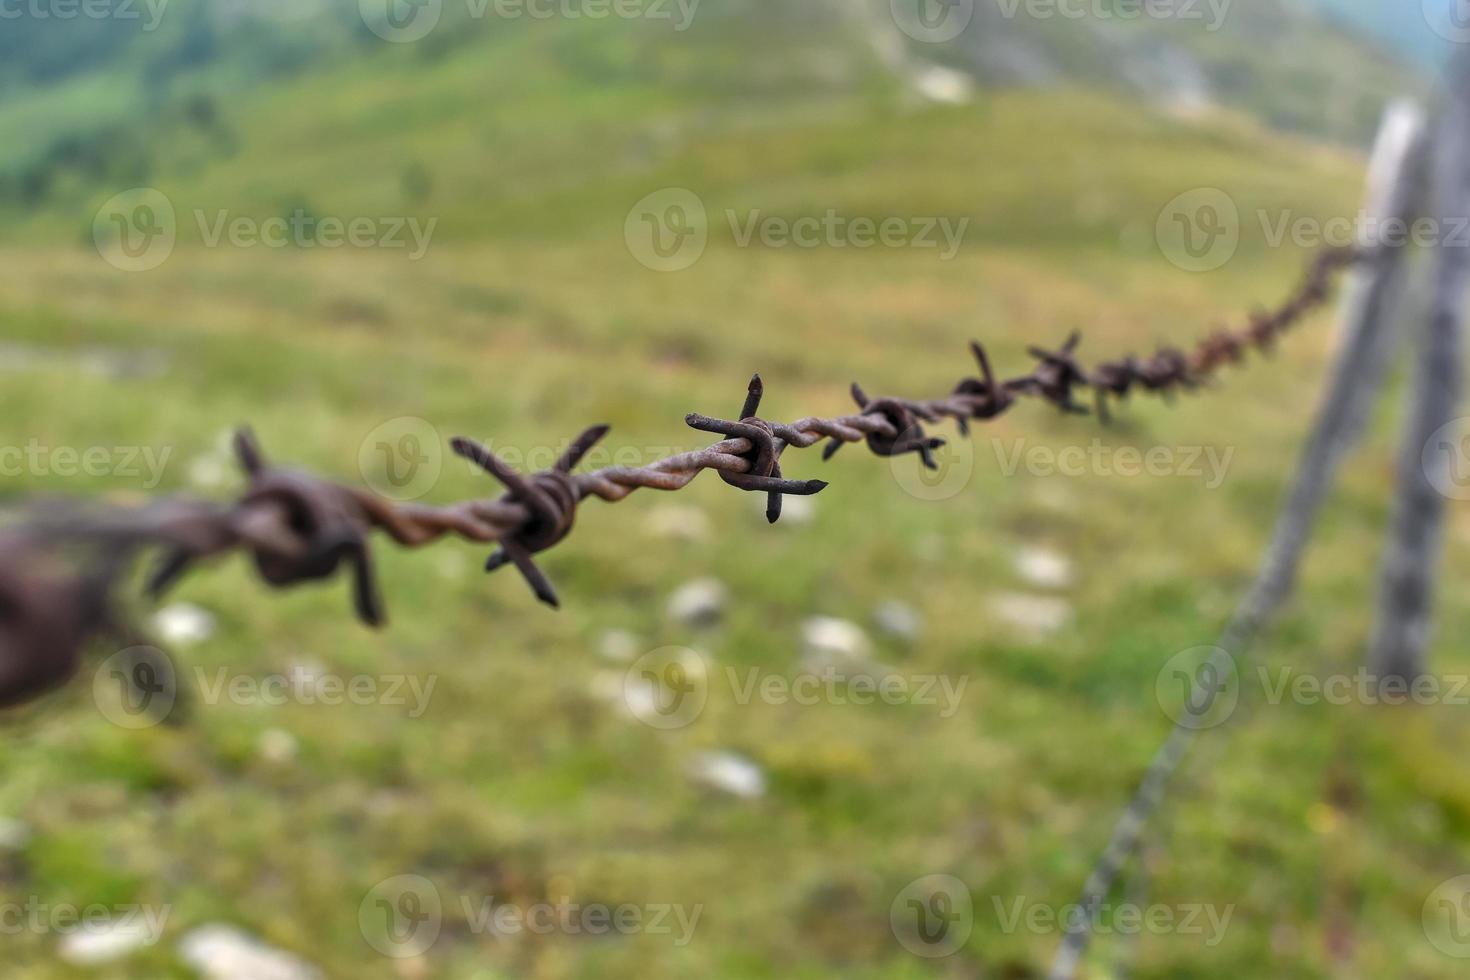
x=46, y=614
x=988, y=398
x=763, y=458
x=550, y=499
x=906, y=433
x=1166, y=371
x=301, y=528
x=1056, y=376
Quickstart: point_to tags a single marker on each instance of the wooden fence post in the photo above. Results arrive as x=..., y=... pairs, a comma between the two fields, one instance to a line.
x=1356, y=378
x=1410, y=564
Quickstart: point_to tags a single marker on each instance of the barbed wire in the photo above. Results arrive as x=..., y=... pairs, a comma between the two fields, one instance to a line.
x=60, y=561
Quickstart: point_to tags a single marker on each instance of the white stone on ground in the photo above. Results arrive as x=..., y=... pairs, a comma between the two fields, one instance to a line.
x=730, y=773
x=1035, y=615
x=619, y=646
x=183, y=623
x=677, y=522
x=795, y=511
x=223, y=952
x=943, y=85
x=698, y=603
x=837, y=647
x=277, y=745
x=898, y=620
x=13, y=834
x=1043, y=568
x=106, y=941
x=839, y=637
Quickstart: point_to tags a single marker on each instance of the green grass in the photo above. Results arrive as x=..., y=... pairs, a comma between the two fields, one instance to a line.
x=527, y=320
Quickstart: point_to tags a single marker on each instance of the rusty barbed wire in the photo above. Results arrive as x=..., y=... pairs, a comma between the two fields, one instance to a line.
x=60, y=563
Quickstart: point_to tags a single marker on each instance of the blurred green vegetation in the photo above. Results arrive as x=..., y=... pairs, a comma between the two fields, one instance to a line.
x=528, y=319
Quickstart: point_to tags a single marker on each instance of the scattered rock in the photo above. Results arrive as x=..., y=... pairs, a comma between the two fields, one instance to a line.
x=1043, y=568
x=898, y=620
x=451, y=564
x=607, y=685
x=679, y=522
x=930, y=547
x=215, y=468
x=795, y=511
x=222, y=952
x=1037, y=615
x=101, y=362
x=183, y=624
x=824, y=635
x=14, y=835
x=1055, y=497
x=943, y=85
x=209, y=472
x=619, y=646
x=699, y=603
x=730, y=773
x=837, y=647
x=105, y=941
x=277, y=745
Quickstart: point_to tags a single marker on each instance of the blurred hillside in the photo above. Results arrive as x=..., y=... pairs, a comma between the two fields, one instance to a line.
x=193, y=89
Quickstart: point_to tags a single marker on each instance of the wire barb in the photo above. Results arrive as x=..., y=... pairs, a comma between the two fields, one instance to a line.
x=59, y=564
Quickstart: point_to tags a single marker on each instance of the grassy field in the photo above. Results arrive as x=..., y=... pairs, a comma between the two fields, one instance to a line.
x=1324, y=828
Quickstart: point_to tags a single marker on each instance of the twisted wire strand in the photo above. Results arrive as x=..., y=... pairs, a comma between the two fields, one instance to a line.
x=298, y=527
